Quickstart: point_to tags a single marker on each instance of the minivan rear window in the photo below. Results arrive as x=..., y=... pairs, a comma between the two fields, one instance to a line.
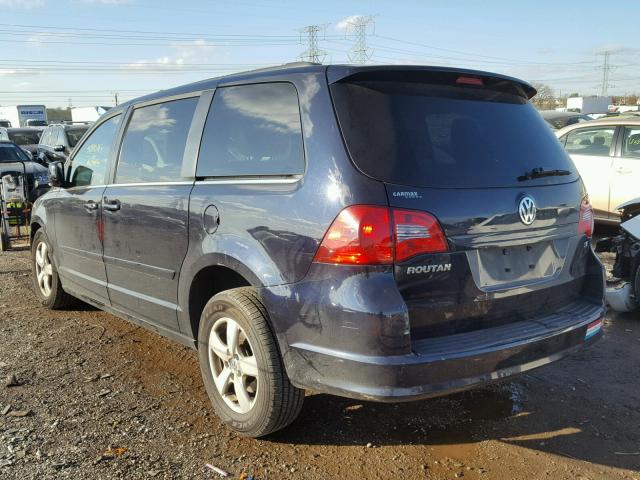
x=424, y=135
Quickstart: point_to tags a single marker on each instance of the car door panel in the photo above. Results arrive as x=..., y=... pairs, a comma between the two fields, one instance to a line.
x=145, y=243
x=78, y=215
x=625, y=182
x=146, y=209
x=591, y=149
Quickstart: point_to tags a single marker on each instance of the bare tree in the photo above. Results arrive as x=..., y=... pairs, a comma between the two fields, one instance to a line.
x=545, y=99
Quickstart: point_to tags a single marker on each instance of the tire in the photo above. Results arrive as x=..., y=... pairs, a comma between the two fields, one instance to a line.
x=275, y=402
x=4, y=242
x=57, y=298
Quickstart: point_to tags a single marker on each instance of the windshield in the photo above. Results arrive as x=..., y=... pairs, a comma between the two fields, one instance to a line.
x=74, y=135
x=24, y=138
x=11, y=153
x=426, y=136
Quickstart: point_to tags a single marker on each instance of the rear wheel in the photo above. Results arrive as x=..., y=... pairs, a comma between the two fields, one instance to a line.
x=241, y=365
x=46, y=282
x=4, y=242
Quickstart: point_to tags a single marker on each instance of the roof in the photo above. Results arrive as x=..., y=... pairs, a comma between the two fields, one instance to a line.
x=334, y=73
x=601, y=122
x=553, y=114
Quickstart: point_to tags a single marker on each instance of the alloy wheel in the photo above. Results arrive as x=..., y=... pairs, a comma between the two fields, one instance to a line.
x=233, y=365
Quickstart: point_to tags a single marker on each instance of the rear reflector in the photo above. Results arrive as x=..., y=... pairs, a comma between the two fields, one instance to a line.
x=464, y=80
x=585, y=224
x=373, y=235
x=593, y=329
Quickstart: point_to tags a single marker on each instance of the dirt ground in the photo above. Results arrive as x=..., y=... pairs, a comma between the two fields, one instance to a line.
x=99, y=398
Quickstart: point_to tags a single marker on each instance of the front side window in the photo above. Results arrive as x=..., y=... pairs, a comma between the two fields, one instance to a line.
x=252, y=130
x=631, y=142
x=89, y=166
x=154, y=143
x=590, y=141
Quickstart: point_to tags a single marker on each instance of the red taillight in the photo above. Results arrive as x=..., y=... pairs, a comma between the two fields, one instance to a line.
x=585, y=224
x=464, y=80
x=368, y=235
x=360, y=235
x=415, y=233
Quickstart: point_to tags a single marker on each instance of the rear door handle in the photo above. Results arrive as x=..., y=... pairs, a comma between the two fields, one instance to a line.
x=111, y=205
x=90, y=206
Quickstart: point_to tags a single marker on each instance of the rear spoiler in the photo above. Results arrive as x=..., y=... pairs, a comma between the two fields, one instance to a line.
x=427, y=74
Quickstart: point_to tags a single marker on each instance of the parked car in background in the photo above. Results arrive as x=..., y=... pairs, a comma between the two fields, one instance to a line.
x=5, y=123
x=384, y=233
x=26, y=138
x=14, y=160
x=557, y=119
x=606, y=152
x=57, y=141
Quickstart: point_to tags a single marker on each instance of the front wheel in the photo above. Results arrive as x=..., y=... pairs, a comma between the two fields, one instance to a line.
x=46, y=282
x=241, y=365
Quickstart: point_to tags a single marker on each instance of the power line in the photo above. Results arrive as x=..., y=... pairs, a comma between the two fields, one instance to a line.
x=313, y=53
x=360, y=53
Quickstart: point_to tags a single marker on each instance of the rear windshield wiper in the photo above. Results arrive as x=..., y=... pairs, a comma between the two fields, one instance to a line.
x=540, y=172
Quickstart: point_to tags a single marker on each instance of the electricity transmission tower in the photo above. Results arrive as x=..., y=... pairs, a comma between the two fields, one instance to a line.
x=606, y=68
x=360, y=53
x=312, y=53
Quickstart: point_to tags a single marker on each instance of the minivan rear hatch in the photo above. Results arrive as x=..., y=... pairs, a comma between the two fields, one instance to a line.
x=467, y=147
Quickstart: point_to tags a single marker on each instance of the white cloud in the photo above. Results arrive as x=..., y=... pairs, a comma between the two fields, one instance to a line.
x=197, y=51
x=23, y=4
x=346, y=22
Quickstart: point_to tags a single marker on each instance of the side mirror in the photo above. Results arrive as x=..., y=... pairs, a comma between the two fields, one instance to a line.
x=56, y=174
x=58, y=148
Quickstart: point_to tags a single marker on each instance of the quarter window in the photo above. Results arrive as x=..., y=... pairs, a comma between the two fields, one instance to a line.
x=590, y=141
x=154, y=143
x=89, y=165
x=631, y=142
x=252, y=130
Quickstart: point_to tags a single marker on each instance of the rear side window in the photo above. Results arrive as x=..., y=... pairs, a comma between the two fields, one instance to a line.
x=154, y=143
x=418, y=134
x=590, y=141
x=631, y=142
x=252, y=130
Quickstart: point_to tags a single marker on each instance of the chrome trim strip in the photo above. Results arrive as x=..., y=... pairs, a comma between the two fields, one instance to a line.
x=250, y=181
x=149, y=184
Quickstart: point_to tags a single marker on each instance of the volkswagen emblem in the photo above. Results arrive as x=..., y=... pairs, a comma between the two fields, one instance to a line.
x=527, y=210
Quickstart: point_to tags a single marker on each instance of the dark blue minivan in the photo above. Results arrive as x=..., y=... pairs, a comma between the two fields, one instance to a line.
x=385, y=233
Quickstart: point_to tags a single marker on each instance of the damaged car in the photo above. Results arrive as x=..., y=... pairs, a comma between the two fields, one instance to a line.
x=624, y=294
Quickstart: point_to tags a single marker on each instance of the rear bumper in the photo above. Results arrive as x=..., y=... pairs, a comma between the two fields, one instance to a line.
x=444, y=365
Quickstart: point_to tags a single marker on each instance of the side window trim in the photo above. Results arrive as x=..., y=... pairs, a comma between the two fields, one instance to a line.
x=616, y=144
x=192, y=149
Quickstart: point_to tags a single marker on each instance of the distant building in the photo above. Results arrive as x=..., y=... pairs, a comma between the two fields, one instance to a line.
x=87, y=114
x=589, y=105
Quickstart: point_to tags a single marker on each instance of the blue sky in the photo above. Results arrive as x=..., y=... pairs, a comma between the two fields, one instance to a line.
x=86, y=50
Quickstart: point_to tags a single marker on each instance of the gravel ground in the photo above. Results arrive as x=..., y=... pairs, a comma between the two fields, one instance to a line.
x=86, y=395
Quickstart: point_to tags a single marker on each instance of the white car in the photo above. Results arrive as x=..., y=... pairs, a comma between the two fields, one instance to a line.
x=606, y=152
